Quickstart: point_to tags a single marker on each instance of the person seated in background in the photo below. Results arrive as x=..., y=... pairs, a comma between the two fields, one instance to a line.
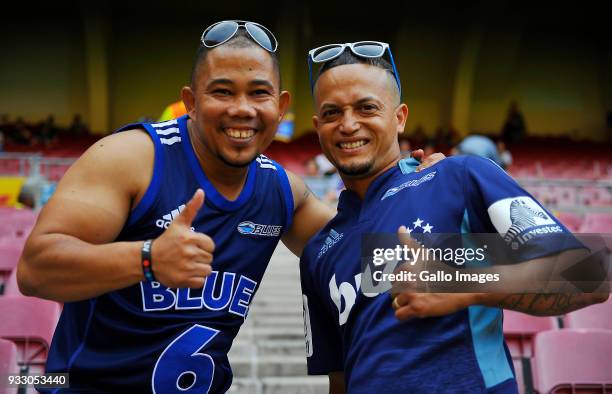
x=478, y=145
x=505, y=157
x=515, y=128
x=78, y=126
x=47, y=131
x=21, y=133
x=325, y=167
x=405, y=147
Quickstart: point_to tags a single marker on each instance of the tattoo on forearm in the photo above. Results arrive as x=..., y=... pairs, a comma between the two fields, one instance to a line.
x=546, y=304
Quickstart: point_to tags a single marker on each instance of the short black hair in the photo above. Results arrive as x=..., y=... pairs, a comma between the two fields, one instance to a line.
x=240, y=40
x=348, y=57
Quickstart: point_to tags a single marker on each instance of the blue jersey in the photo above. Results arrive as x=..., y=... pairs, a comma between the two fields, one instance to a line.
x=149, y=338
x=356, y=332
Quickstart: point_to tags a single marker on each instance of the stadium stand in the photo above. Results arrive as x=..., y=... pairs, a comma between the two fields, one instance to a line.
x=593, y=317
x=30, y=327
x=519, y=331
x=10, y=250
x=573, y=362
x=8, y=363
x=268, y=355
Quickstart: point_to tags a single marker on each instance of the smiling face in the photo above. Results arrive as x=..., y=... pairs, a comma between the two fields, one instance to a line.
x=235, y=103
x=358, y=119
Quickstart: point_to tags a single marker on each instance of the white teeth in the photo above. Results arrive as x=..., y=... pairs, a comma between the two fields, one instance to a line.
x=352, y=145
x=240, y=133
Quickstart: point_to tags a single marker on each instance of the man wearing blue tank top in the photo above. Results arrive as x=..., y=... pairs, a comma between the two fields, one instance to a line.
x=160, y=315
x=416, y=342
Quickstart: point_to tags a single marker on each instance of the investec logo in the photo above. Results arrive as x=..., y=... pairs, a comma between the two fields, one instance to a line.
x=165, y=221
x=267, y=230
x=330, y=241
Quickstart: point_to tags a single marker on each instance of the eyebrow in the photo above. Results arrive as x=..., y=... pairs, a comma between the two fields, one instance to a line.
x=264, y=82
x=227, y=81
x=358, y=102
x=366, y=99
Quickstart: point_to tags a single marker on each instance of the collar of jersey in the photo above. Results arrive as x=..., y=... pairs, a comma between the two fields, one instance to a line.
x=349, y=199
x=212, y=195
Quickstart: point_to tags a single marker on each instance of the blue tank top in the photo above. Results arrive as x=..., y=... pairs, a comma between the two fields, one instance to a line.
x=149, y=338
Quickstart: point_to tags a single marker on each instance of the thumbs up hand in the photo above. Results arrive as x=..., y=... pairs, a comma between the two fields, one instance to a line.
x=181, y=257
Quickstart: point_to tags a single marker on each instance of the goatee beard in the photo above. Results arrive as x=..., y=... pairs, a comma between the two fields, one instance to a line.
x=356, y=170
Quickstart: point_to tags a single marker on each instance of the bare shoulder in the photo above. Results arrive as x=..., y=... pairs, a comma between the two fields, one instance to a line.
x=94, y=197
x=125, y=159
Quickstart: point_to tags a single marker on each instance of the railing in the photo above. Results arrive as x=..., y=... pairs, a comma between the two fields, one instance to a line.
x=25, y=165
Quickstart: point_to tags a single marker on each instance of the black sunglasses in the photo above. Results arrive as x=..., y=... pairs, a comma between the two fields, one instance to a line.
x=221, y=32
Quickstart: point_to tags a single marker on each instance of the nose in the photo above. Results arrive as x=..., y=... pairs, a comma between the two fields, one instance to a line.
x=349, y=123
x=242, y=108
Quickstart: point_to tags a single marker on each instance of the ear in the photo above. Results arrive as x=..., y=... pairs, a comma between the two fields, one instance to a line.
x=284, y=99
x=401, y=115
x=189, y=100
x=315, y=122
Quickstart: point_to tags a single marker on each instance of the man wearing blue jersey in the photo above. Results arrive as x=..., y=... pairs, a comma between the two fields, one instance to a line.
x=455, y=343
x=160, y=315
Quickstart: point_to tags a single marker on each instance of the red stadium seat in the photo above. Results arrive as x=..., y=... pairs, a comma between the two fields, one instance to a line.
x=519, y=331
x=30, y=326
x=571, y=220
x=573, y=362
x=10, y=251
x=8, y=364
x=596, y=222
x=592, y=317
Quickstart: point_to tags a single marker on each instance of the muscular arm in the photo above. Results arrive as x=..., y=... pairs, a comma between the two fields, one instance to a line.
x=309, y=215
x=526, y=297
x=69, y=255
x=540, y=304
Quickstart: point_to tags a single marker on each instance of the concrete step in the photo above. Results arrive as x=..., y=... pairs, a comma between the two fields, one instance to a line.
x=296, y=384
x=264, y=366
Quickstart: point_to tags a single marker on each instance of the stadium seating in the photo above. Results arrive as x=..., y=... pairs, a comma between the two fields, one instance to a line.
x=519, y=331
x=30, y=327
x=573, y=361
x=596, y=222
x=571, y=220
x=592, y=317
x=10, y=251
x=8, y=363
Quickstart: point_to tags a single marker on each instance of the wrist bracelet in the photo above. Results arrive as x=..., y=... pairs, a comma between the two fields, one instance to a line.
x=145, y=258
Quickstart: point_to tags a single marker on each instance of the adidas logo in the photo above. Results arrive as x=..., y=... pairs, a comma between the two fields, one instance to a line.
x=165, y=221
x=330, y=241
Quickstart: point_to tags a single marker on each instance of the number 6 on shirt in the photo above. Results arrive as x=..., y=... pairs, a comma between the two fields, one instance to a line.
x=181, y=358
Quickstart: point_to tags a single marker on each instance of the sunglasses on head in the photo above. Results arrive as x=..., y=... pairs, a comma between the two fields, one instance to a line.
x=221, y=32
x=365, y=49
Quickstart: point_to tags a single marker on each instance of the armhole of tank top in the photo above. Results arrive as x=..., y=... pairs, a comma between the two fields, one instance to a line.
x=287, y=195
x=152, y=190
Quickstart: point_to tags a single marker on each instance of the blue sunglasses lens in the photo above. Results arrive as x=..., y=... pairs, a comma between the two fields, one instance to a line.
x=369, y=50
x=262, y=38
x=326, y=54
x=219, y=33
